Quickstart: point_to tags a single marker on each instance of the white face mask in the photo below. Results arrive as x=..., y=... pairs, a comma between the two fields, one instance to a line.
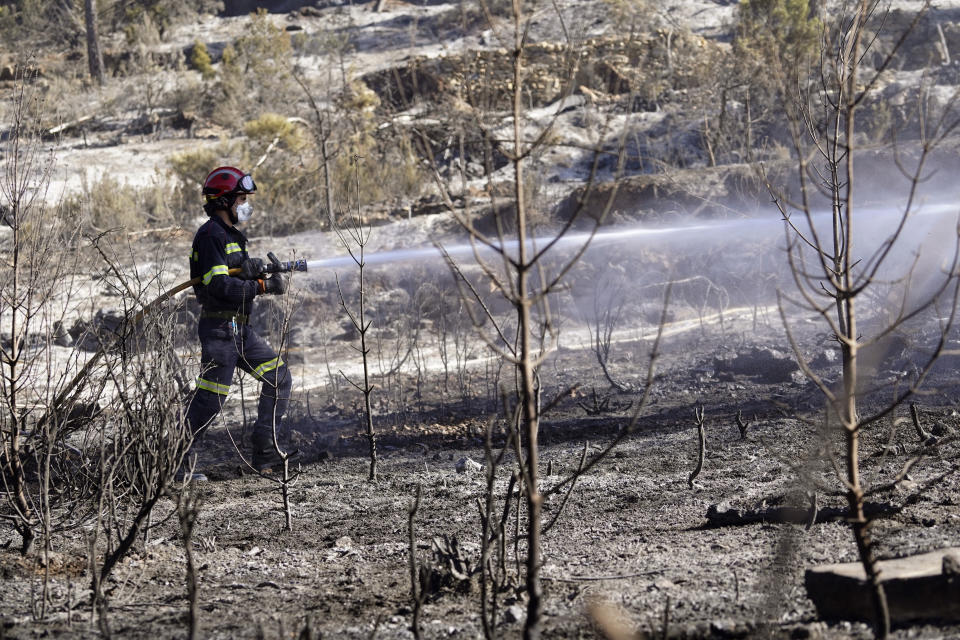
x=244, y=211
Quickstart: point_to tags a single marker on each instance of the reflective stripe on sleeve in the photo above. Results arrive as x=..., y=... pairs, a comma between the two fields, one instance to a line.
x=213, y=387
x=218, y=270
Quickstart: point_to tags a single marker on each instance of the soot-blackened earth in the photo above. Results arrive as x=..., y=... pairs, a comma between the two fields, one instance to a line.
x=636, y=537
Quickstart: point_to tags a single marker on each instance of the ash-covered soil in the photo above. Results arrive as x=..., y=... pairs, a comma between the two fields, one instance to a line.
x=633, y=534
x=711, y=560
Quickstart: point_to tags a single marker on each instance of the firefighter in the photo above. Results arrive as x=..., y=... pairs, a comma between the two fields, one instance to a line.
x=226, y=339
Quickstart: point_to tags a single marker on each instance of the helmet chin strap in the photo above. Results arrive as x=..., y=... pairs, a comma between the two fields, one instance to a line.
x=231, y=205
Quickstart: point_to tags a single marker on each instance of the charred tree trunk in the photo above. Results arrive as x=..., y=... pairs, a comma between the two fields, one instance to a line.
x=94, y=56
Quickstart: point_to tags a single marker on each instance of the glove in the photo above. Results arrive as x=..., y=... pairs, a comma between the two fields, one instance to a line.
x=275, y=284
x=251, y=269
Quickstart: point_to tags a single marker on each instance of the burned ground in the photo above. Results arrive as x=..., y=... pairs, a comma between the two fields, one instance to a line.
x=721, y=555
x=714, y=560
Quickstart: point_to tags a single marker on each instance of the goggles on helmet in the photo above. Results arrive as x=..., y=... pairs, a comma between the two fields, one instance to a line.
x=246, y=184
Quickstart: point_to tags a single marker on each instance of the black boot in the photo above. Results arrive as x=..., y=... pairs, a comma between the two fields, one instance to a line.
x=266, y=459
x=188, y=471
x=196, y=476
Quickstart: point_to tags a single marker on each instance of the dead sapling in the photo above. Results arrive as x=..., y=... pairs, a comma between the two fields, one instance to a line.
x=355, y=241
x=418, y=575
x=702, y=446
x=142, y=444
x=601, y=404
x=452, y=566
x=524, y=273
x=289, y=475
x=566, y=496
x=609, y=303
x=741, y=425
x=285, y=480
x=925, y=436
x=188, y=508
x=494, y=578
x=814, y=509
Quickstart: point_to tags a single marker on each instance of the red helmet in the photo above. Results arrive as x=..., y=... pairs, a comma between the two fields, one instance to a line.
x=225, y=181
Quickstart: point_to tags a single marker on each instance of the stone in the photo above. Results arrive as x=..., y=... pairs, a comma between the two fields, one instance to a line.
x=465, y=465
x=950, y=564
x=767, y=366
x=917, y=588
x=514, y=613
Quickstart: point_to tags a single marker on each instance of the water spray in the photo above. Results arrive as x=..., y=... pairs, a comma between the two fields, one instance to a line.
x=741, y=226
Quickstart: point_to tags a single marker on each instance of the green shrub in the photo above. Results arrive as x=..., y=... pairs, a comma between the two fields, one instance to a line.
x=777, y=32
x=161, y=13
x=106, y=203
x=188, y=171
x=389, y=169
x=271, y=126
x=200, y=60
x=254, y=74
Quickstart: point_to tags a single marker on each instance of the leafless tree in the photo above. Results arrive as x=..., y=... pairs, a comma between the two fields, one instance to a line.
x=522, y=270
x=494, y=576
x=609, y=300
x=35, y=306
x=355, y=240
x=143, y=437
x=188, y=510
x=323, y=134
x=834, y=273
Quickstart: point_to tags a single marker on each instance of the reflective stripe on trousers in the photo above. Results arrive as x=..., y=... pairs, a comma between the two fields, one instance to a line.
x=223, y=350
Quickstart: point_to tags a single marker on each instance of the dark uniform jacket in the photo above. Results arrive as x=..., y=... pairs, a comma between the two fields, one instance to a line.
x=217, y=248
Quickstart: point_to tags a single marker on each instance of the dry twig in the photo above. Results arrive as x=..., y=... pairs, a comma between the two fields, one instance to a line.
x=702, y=444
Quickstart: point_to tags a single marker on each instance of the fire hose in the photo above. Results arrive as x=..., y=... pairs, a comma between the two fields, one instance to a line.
x=71, y=391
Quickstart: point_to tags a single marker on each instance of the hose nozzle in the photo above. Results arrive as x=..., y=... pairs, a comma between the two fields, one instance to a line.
x=276, y=266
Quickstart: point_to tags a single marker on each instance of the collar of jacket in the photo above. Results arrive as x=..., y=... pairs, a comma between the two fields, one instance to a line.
x=229, y=228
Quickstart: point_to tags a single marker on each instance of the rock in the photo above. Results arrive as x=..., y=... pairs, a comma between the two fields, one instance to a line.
x=91, y=336
x=767, y=366
x=514, y=613
x=951, y=564
x=810, y=631
x=663, y=584
x=465, y=465
x=723, y=514
x=107, y=321
x=61, y=337
x=310, y=12
x=724, y=629
x=941, y=429
x=917, y=588
x=826, y=358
